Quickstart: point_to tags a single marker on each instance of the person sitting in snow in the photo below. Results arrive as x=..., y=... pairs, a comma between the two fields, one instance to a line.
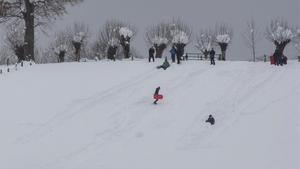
x=210, y=120
x=157, y=96
x=151, y=54
x=165, y=65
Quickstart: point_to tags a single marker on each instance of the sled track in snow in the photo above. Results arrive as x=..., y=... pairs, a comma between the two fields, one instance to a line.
x=124, y=123
x=78, y=107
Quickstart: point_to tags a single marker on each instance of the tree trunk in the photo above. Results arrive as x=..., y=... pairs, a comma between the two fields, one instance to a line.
x=125, y=43
x=111, y=52
x=29, y=30
x=77, y=46
x=223, y=47
x=281, y=46
x=159, y=50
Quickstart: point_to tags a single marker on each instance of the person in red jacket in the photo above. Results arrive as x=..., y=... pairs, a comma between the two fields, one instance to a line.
x=157, y=96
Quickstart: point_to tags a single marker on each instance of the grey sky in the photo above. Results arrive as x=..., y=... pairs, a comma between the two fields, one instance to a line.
x=197, y=13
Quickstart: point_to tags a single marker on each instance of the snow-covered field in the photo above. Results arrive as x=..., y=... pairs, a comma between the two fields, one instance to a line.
x=100, y=116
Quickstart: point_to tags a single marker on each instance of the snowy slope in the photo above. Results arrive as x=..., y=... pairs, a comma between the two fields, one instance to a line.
x=100, y=116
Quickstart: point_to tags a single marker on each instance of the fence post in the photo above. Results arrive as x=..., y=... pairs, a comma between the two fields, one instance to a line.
x=298, y=58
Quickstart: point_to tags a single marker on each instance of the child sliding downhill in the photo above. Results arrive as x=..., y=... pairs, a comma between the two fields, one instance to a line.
x=157, y=96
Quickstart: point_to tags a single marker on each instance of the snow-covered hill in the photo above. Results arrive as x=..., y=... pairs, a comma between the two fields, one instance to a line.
x=100, y=116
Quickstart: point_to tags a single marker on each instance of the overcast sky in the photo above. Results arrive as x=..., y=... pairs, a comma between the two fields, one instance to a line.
x=197, y=13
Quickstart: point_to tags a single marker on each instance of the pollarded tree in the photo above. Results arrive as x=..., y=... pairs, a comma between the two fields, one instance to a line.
x=281, y=34
x=126, y=33
x=33, y=13
x=251, y=37
x=61, y=46
x=223, y=35
x=180, y=34
x=14, y=40
x=297, y=44
x=108, y=40
x=205, y=42
x=77, y=36
x=113, y=35
x=158, y=37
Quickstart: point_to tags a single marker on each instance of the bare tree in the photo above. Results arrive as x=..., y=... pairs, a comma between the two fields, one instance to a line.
x=126, y=33
x=281, y=34
x=14, y=40
x=158, y=37
x=251, y=37
x=113, y=35
x=7, y=56
x=297, y=41
x=223, y=35
x=77, y=36
x=61, y=45
x=108, y=40
x=33, y=13
x=180, y=35
x=205, y=41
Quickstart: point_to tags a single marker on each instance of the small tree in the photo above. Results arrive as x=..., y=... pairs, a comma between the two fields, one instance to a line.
x=108, y=40
x=15, y=41
x=33, y=13
x=113, y=35
x=297, y=41
x=280, y=33
x=180, y=34
x=126, y=34
x=77, y=36
x=61, y=46
x=158, y=37
x=223, y=35
x=251, y=37
x=205, y=41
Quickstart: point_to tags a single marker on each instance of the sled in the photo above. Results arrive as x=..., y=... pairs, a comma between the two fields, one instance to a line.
x=158, y=97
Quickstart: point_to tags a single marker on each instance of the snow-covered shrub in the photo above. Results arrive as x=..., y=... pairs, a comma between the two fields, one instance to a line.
x=157, y=36
x=223, y=37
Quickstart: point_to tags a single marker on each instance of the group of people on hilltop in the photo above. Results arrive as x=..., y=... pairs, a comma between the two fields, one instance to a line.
x=278, y=58
x=174, y=54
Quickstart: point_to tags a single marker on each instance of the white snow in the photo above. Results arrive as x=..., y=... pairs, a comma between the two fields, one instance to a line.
x=160, y=40
x=282, y=34
x=126, y=32
x=223, y=38
x=113, y=42
x=100, y=115
x=181, y=37
x=78, y=37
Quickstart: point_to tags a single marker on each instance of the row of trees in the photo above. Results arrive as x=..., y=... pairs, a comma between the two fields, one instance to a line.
x=22, y=17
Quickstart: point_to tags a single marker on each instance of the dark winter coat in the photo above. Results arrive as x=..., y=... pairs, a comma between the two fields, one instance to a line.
x=173, y=51
x=212, y=54
x=157, y=91
x=151, y=52
x=210, y=120
x=165, y=65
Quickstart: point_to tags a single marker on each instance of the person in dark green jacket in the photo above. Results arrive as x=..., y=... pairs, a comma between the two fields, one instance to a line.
x=165, y=65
